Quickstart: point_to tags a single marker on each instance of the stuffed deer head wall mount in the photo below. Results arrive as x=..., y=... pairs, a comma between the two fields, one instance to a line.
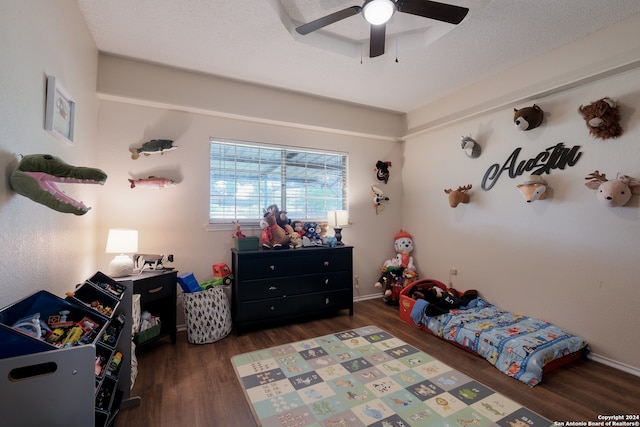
x=458, y=196
x=613, y=193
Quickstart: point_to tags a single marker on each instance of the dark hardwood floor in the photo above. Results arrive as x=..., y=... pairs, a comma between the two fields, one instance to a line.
x=195, y=385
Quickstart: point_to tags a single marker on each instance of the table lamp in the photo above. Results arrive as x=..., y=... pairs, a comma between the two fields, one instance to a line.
x=121, y=241
x=337, y=219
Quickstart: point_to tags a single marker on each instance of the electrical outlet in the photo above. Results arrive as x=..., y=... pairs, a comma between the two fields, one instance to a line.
x=356, y=279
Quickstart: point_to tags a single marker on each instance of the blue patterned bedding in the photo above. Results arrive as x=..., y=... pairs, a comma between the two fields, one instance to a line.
x=519, y=346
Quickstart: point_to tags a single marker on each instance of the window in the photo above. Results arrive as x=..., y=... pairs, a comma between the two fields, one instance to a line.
x=245, y=178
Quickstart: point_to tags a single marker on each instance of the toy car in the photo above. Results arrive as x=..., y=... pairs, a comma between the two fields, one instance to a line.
x=221, y=276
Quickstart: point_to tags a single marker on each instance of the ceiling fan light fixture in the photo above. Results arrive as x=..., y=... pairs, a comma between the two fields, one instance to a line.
x=378, y=12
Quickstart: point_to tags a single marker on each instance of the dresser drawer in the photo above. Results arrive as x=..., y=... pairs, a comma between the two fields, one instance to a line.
x=331, y=281
x=265, y=267
x=156, y=288
x=270, y=288
x=326, y=261
x=322, y=301
x=268, y=309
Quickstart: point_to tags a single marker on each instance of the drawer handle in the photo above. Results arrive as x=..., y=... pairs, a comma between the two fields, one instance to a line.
x=326, y=263
x=154, y=290
x=273, y=288
x=326, y=301
x=272, y=308
x=326, y=281
x=272, y=267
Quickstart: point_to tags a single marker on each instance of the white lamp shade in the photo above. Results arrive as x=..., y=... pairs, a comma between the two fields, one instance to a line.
x=378, y=12
x=337, y=218
x=121, y=241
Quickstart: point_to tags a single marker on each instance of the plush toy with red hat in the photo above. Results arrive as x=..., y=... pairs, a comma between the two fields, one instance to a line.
x=399, y=266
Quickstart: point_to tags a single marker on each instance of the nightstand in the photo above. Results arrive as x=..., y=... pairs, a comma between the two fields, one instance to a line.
x=158, y=293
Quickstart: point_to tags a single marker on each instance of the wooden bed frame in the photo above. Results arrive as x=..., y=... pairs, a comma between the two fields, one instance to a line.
x=407, y=303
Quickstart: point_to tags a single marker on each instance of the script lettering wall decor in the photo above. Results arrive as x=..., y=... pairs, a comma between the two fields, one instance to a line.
x=555, y=157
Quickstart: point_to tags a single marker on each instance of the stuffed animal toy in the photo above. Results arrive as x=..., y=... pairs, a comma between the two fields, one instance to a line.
x=281, y=216
x=613, y=193
x=528, y=118
x=311, y=235
x=403, y=243
x=391, y=284
x=273, y=236
x=237, y=233
x=382, y=170
x=470, y=147
x=36, y=177
x=602, y=118
x=378, y=199
x=440, y=301
x=534, y=188
x=458, y=196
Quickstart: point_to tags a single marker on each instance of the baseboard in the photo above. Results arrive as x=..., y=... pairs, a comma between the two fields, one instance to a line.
x=614, y=364
x=366, y=297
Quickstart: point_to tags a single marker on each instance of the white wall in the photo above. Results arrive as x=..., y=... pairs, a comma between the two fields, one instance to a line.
x=41, y=248
x=567, y=259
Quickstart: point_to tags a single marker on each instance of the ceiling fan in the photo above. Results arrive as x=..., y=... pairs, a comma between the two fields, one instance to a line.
x=378, y=12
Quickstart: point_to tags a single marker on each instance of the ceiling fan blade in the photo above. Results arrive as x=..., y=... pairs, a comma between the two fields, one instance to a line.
x=327, y=20
x=376, y=46
x=433, y=10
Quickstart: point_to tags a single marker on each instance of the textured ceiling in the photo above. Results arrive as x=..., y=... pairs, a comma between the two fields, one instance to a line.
x=255, y=41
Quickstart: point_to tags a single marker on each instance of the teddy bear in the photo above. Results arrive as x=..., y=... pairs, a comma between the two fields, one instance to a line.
x=527, y=118
x=602, y=118
x=311, y=236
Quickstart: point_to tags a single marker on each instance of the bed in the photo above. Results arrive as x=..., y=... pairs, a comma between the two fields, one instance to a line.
x=520, y=346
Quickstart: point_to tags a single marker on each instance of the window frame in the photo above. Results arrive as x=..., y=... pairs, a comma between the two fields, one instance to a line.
x=282, y=203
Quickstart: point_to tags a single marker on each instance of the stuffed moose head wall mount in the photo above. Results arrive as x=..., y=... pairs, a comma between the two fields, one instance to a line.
x=458, y=196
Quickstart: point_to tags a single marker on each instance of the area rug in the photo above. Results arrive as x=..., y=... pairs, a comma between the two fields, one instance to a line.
x=367, y=377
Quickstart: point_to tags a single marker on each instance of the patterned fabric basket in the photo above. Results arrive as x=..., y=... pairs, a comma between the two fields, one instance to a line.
x=207, y=314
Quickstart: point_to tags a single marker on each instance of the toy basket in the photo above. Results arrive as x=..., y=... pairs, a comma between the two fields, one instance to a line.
x=207, y=314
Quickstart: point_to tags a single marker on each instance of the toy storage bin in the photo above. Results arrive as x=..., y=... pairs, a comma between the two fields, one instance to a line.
x=149, y=333
x=15, y=343
x=208, y=315
x=250, y=243
x=107, y=284
x=88, y=294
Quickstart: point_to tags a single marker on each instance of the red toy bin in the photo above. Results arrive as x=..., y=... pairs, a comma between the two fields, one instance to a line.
x=406, y=302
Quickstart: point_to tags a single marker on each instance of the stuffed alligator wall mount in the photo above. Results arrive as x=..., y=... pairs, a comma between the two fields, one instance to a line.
x=36, y=177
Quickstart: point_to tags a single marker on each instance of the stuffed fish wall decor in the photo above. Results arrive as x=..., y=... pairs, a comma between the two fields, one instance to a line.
x=152, y=182
x=155, y=146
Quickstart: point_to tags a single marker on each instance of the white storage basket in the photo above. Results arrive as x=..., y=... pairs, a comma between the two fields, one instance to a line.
x=207, y=314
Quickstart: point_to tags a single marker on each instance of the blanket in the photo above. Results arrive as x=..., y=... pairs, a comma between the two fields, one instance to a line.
x=517, y=345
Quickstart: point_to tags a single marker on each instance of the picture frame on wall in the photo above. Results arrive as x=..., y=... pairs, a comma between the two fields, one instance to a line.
x=60, y=111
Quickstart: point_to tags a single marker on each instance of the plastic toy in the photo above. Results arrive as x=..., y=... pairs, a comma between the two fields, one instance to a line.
x=222, y=274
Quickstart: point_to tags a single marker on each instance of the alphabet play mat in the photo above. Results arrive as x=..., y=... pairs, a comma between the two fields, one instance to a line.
x=367, y=377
